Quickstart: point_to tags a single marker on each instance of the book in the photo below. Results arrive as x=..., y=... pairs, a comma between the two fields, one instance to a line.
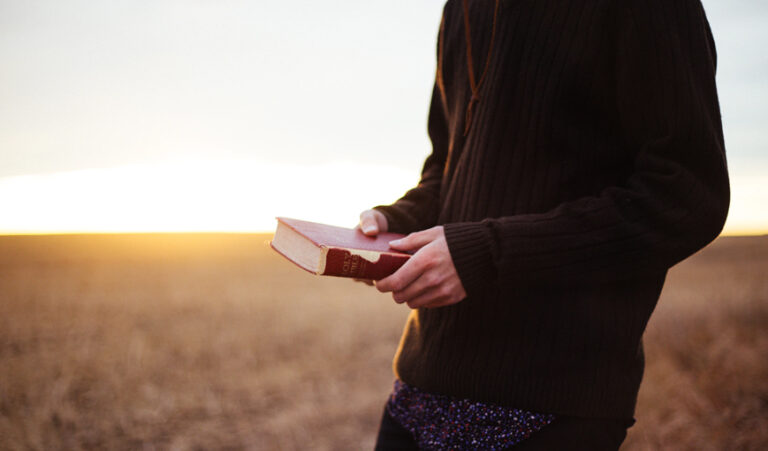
x=337, y=251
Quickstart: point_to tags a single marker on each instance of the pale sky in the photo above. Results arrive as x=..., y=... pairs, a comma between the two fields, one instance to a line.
x=154, y=115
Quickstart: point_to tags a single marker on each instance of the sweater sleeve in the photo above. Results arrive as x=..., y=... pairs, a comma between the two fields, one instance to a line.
x=419, y=208
x=676, y=198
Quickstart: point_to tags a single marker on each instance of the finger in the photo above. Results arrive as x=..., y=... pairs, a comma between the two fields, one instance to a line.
x=381, y=220
x=404, y=276
x=414, y=241
x=368, y=223
x=426, y=281
x=432, y=297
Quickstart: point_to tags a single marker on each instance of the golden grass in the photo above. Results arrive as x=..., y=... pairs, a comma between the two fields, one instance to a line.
x=213, y=342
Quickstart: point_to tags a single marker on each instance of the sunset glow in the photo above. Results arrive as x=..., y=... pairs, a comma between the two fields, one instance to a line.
x=228, y=196
x=239, y=196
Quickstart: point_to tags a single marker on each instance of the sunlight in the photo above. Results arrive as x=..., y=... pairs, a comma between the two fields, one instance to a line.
x=226, y=196
x=748, y=214
x=240, y=196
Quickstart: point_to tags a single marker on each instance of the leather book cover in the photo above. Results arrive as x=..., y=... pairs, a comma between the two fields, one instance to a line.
x=349, y=252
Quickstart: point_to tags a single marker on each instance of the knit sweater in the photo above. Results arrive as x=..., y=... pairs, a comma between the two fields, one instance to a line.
x=594, y=162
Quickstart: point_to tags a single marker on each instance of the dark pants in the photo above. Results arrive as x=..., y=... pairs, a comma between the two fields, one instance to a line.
x=563, y=434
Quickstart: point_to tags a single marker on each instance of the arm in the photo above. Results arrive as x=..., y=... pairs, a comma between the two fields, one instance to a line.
x=674, y=202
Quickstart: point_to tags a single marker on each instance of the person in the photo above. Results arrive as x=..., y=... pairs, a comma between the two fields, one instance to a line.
x=577, y=154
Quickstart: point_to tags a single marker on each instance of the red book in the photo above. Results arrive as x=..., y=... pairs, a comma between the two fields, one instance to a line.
x=336, y=251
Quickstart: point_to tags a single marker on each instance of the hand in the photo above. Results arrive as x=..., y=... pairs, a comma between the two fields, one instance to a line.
x=429, y=278
x=372, y=223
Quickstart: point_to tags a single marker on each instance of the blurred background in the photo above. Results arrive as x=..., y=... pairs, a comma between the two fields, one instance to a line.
x=199, y=115
x=124, y=117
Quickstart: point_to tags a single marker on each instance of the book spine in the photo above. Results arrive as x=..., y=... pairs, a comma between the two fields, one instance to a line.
x=343, y=263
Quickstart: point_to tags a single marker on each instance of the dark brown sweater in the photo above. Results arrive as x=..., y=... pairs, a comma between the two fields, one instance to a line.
x=594, y=162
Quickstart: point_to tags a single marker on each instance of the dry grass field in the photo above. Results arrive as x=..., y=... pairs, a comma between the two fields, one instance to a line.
x=213, y=342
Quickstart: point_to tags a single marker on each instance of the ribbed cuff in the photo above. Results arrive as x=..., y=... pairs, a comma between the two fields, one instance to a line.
x=470, y=244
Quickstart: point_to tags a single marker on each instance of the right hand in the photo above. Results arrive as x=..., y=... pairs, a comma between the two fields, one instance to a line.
x=372, y=222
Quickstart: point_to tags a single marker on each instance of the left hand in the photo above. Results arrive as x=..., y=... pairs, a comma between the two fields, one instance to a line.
x=429, y=278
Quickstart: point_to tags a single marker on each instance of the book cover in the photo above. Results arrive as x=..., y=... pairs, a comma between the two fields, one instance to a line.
x=337, y=251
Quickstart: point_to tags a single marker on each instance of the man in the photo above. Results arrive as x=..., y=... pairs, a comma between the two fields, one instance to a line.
x=577, y=155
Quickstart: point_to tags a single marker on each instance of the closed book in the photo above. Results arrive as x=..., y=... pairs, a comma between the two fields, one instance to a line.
x=337, y=251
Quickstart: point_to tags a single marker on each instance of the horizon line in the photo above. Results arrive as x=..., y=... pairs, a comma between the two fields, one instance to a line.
x=760, y=233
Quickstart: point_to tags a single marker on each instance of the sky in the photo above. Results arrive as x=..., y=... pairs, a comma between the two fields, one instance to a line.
x=203, y=115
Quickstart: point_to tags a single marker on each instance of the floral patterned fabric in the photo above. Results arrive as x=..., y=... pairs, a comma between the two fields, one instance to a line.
x=440, y=422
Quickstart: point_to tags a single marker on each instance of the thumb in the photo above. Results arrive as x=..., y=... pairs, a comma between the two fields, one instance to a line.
x=368, y=223
x=414, y=241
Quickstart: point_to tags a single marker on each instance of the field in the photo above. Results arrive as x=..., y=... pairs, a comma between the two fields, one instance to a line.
x=213, y=342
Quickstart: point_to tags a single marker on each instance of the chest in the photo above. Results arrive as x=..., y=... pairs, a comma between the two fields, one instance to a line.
x=549, y=56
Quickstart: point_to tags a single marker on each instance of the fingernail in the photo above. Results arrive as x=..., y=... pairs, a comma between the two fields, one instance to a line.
x=368, y=229
x=395, y=242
